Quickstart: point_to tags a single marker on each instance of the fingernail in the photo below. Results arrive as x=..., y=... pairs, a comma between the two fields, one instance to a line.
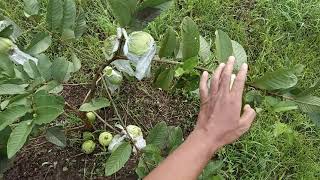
x=231, y=59
x=244, y=66
x=222, y=64
x=205, y=73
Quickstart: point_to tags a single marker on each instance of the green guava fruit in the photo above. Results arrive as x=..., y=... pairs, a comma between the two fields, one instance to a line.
x=88, y=146
x=139, y=42
x=134, y=131
x=105, y=138
x=5, y=45
x=91, y=117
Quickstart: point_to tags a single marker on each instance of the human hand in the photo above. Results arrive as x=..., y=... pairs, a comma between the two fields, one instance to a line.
x=220, y=116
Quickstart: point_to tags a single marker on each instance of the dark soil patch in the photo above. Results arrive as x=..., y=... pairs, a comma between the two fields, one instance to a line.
x=138, y=103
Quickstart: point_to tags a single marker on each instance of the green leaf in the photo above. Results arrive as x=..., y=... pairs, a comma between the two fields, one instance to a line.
x=31, y=7
x=240, y=54
x=54, y=14
x=280, y=79
x=69, y=19
x=223, y=46
x=81, y=25
x=123, y=10
x=190, y=64
x=175, y=138
x=315, y=117
x=4, y=161
x=18, y=137
x=152, y=3
x=285, y=106
x=158, y=135
x=11, y=114
x=164, y=79
x=281, y=128
x=95, y=104
x=39, y=43
x=6, y=66
x=76, y=62
x=308, y=104
x=7, y=31
x=59, y=69
x=47, y=107
x=211, y=169
x=205, y=50
x=10, y=89
x=168, y=44
x=52, y=87
x=190, y=38
x=118, y=159
x=56, y=136
x=311, y=89
x=31, y=69
x=44, y=65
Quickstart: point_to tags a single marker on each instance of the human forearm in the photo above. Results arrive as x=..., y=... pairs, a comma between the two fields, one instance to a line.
x=188, y=160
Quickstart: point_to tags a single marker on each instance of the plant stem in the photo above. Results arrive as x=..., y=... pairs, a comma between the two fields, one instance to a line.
x=157, y=59
x=106, y=123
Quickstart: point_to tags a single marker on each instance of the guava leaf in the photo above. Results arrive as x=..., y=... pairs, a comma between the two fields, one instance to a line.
x=123, y=10
x=158, y=135
x=240, y=54
x=95, y=104
x=18, y=137
x=205, y=50
x=31, y=7
x=223, y=46
x=31, y=69
x=11, y=114
x=76, y=62
x=11, y=89
x=190, y=64
x=164, y=79
x=6, y=66
x=168, y=44
x=7, y=31
x=152, y=3
x=59, y=69
x=190, y=38
x=81, y=25
x=54, y=14
x=69, y=19
x=175, y=138
x=284, y=106
x=279, y=79
x=47, y=107
x=308, y=104
x=56, y=136
x=118, y=158
x=39, y=43
x=44, y=65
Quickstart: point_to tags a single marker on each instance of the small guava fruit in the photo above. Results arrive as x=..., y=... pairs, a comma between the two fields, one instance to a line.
x=113, y=76
x=134, y=131
x=91, y=117
x=5, y=45
x=88, y=146
x=139, y=42
x=105, y=138
x=233, y=77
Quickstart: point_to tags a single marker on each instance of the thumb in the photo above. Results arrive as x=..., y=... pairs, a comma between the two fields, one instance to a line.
x=247, y=117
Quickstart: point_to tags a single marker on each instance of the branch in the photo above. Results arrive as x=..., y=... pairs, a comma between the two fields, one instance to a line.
x=157, y=59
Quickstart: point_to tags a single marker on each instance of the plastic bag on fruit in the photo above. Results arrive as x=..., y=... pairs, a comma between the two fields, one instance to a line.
x=15, y=54
x=140, y=48
x=136, y=134
x=116, y=141
x=113, y=78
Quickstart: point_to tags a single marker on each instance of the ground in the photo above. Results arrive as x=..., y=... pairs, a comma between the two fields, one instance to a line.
x=274, y=33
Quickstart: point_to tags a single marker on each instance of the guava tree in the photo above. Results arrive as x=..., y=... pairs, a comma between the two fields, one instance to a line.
x=30, y=81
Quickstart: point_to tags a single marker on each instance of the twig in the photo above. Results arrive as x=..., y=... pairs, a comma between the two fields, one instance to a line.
x=157, y=59
x=106, y=123
x=78, y=84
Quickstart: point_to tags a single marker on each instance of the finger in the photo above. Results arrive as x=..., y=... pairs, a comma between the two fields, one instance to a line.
x=247, y=117
x=240, y=80
x=203, y=86
x=214, y=87
x=226, y=75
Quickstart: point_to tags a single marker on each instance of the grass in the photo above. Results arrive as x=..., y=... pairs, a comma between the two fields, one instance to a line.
x=275, y=34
